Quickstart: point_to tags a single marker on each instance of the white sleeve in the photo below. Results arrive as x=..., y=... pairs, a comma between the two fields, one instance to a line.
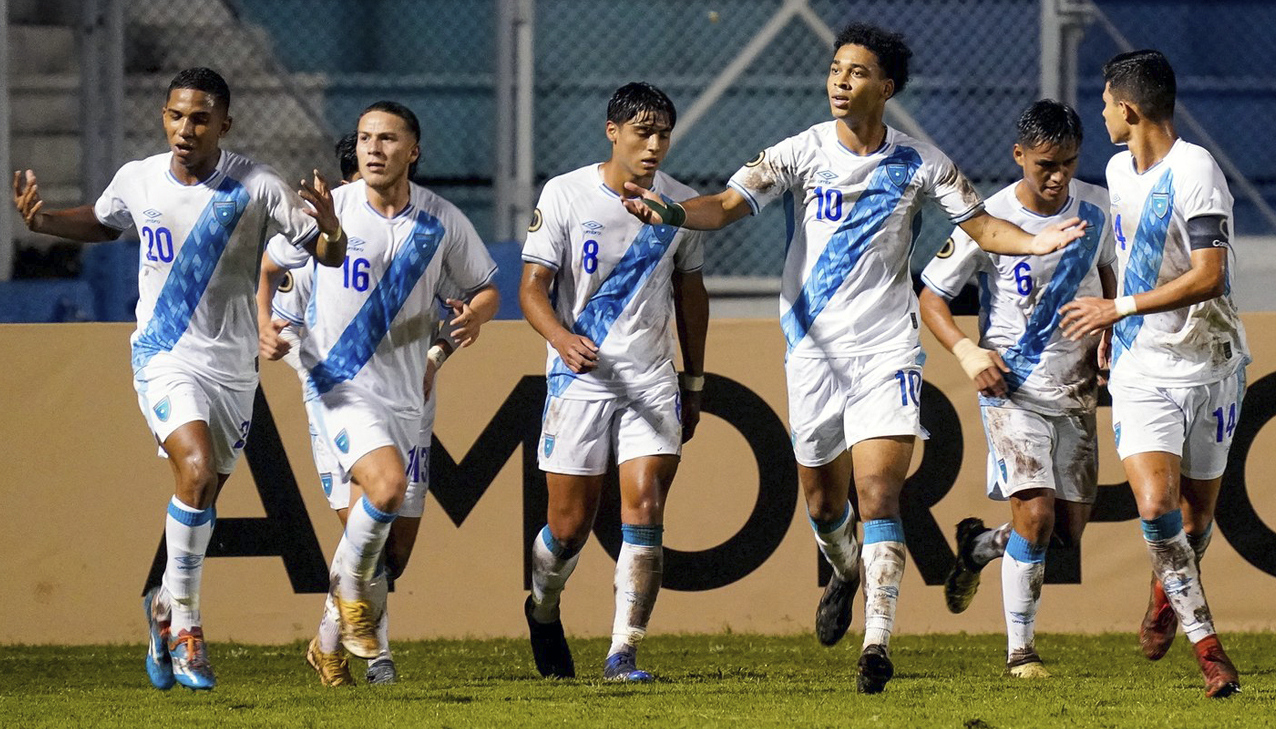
x=950, y=188
x=689, y=257
x=1204, y=190
x=110, y=208
x=466, y=262
x=955, y=265
x=547, y=239
x=1107, y=244
x=285, y=253
x=285, y=210
x=767, y=176
x=288, y=304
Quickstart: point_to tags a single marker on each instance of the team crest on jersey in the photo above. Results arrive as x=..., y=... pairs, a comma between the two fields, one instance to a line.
x=342, y=441
x=162, y=410
x=548, y=446
x=592, y=227
x=1160, y=203
x=286, y=285
x=897, y=173
x=325, y=480
x=756, y=160
x=946, y=251
x=537, y=219
x=224, y=212
x=1001, y=463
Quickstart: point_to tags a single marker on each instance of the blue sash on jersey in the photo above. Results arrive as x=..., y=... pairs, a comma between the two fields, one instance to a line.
x=191, y=271
x=1143, y=267
x=885, y=188
x=617, y=290
x=1077, y=261
x=365, y=331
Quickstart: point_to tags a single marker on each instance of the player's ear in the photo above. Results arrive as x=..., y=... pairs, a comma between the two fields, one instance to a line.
x=225, y=126
x=1017, y=151
x=613, y=131
x=888, y=87
x=416, y=153
x=1128, y=112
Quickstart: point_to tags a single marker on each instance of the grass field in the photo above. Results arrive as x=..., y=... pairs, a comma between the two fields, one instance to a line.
x=703, y=680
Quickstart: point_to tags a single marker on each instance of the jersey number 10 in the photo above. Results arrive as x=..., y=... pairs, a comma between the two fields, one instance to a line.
x=828, y=203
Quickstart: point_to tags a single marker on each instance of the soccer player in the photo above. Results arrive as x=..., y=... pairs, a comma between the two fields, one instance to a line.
x=203, y=214
x=851, y=187
x=1038, y=390
x=1177, y=344
x=369, y=327
x=613, y=390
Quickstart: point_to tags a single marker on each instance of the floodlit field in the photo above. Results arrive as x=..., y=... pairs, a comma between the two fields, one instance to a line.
x=724, y=680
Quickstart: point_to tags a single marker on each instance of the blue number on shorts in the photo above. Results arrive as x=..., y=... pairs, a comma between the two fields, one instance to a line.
x=1230, y=422
x=590, y=260
x=354, y=273
x=1119, y=236
x=828, y=203
x=1023, y=278
x=910, y=385
x=413, y=471
x=158, y=241
x=243, y=434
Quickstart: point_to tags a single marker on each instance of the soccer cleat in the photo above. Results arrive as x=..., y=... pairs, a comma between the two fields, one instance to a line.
x=382, y=672
x=833, y=615
x=159, y=665
x=1221, y=679
x=875, y=669
x=333, y=668
x=358, y=620
x=622, y=666
x=1156, y=633
x=963, y=580
x=190, y=660
x=549, y=646
x=1026, y=664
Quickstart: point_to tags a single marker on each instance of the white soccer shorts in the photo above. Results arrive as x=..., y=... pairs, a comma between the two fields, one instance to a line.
x=579, y=436
x=171, y=394
x=1029, y=450
x=346, y=418
x=1195, y=423
x=836, y=402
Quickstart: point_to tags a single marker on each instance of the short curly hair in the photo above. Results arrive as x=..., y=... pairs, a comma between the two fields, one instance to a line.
x=891, y=50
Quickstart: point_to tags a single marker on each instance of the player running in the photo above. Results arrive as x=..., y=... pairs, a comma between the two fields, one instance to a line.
x=203, y=214
x=613, y=390
x=851, y=187
x=1038, y=390
x=368, y=329
x=1177, y=344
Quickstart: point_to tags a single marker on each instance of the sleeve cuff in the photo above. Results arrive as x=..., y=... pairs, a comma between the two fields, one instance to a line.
x=529, y=258
x=958, y=219
x=284, y=264
x=287, y=316
x=748, y=196
x=948, y=295
x=487, y=281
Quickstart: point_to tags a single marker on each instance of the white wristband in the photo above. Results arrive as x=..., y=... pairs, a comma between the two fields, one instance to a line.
x=1125, y=306
x=437, y=356
x=972, y=358
x=690, y=383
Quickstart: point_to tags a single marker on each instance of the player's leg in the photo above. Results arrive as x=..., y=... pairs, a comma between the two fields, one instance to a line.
x=325, y=654
x=1023, y=570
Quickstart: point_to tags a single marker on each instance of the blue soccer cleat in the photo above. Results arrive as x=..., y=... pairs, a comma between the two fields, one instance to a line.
x=190, y=660
x=159, y=666
x=622, y=666
x=382, y=672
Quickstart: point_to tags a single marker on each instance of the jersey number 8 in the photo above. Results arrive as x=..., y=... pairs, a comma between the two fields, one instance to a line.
x=590, y=259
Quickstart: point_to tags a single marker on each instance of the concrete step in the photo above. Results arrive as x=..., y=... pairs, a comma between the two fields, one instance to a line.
x=55, y=158
x=42, y=49
x=48, y=110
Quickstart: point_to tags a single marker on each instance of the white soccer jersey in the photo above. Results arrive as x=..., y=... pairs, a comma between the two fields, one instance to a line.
x=200, y=258
x=1020, y=297
x=614, y=279
x=371, y=321
x=1194, y=345
x=846, y=288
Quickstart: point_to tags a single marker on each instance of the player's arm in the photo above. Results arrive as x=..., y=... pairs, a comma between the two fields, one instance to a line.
x=983, y=366
x=707, y=212
x=329, y=249
x=79, y=223
x=577, y=351
x=1108, y=280
x=999, y=236
x=471, y=315
x=691, y=316
x=269, y=343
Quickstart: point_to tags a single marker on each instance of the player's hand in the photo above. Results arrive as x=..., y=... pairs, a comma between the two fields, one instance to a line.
x=690, y=413
x=640, y=210
x=269, y=343
x=1057, y=236
x=1087, y=315
x=1104, y=355
x=578, y=352
x=467, y=325
x=322, y=208
x=428, y=382
x=990, y=382
x=26, y=196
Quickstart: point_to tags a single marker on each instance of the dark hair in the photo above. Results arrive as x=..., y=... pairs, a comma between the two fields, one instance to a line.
x=346, y=157
x=404, y=113
x=202, y=79
x=891, y=50
x=636, y=98
x=1049, y=122
x=1145, y=79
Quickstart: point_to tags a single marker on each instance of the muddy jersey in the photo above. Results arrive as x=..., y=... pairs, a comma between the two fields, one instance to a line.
x=1193, y=345
x=1020, y=297
x=200, y=256
x=846, y=289
x=613, y=281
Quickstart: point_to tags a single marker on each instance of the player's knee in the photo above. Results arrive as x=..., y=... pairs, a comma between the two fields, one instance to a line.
x=196, y=480
x=386, y=491
x=1154, y=505
x=878, y=498
x=823, y=510
x=570, y=529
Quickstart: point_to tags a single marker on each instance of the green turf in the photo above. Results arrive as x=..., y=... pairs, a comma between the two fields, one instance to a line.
x=724, y=680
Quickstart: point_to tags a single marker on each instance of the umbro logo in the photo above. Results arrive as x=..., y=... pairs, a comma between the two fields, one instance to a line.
x=152, y=214
x=592, y=226
x=826, y=175
x=355, y=244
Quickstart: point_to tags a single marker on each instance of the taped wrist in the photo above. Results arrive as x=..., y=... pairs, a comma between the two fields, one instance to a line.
x=672, y=214
x=972, y=358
